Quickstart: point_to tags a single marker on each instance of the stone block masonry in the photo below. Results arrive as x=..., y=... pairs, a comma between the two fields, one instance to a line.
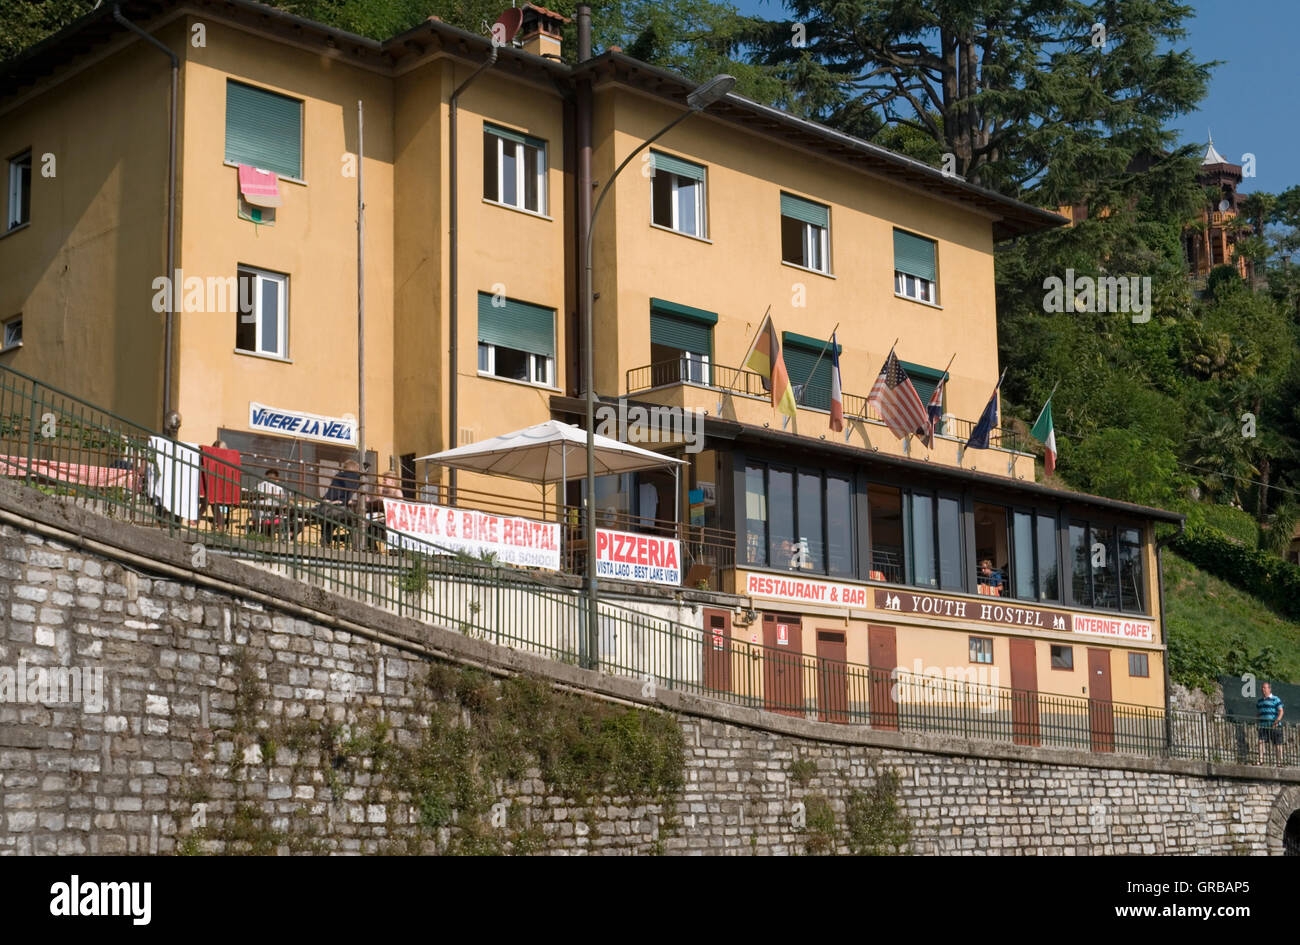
x=245, y=711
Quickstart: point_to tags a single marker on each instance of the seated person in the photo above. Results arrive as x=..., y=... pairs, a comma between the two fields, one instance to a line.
x=269, y=508
x=991, y=578
x=338, y=498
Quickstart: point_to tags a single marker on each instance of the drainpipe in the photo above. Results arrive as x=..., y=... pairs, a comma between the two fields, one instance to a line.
x=170, y=423
x=584, y=31
x=453, y=276
x=1164, y=629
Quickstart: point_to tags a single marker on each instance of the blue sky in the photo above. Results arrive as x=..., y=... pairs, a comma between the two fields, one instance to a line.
x=1253, y=99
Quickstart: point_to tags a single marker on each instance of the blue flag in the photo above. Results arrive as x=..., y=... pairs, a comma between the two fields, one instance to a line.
x=979, y=437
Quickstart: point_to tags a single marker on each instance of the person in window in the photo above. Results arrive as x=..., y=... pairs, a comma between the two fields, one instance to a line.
x=338, y=498
x=991, y=578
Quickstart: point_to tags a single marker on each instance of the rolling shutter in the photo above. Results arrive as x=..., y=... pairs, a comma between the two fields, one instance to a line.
x=801, y=354
x=914, y=255
x=516, y=325
x=263, y=129
x=666, y=162
x=924, y=379
x=681, y=326
x=514, y=136
x=805, y=211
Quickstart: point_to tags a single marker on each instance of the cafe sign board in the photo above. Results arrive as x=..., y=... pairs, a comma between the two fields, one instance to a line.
x=1117, y=628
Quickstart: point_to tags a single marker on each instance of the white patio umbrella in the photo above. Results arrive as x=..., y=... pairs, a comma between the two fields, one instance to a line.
x=541, y=454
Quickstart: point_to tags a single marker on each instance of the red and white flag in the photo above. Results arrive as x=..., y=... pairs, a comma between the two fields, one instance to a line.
x=837, y=390
x=896, y=400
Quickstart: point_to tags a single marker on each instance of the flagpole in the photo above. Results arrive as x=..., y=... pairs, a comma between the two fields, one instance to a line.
x=750, y=349
x=808, y=383
x=944, y=377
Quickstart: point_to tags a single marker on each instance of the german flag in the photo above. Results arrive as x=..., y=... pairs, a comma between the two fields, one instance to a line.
x=765, y=360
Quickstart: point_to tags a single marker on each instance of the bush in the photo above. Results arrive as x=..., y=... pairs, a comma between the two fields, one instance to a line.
x=1272, y=580
x=1233, y=522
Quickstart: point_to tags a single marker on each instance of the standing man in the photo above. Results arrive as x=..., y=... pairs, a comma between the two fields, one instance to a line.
x=1269, y=708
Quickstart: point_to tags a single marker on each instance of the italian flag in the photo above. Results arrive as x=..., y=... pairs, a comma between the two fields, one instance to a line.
x=1045, y=433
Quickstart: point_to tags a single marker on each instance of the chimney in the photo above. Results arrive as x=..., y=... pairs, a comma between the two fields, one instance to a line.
x=584, y=32
x=541, y=31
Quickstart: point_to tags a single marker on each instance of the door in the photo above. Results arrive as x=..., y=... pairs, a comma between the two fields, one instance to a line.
x=717, y=650
x=1101, y=713
x=832, y=676
x=882, y=654
x=783, y=664
x=1024, y=692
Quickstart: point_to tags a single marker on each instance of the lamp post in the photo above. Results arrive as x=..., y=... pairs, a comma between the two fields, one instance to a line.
x=698, y=100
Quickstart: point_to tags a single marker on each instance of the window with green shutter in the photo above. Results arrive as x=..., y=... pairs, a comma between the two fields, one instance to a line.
x=924, y=379
x=681, y=342
x=516, y=340
x=677, y=194
x=805, y=228
x=805, y=370
x=263, y=129
x=915, y=267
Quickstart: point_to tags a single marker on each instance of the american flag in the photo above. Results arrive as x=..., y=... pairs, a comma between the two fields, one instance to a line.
x=896, y=400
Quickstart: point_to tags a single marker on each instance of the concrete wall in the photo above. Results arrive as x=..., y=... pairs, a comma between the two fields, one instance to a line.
x=82, y=591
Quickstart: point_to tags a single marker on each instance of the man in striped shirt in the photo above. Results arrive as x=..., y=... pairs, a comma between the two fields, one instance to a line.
x=1269, y=708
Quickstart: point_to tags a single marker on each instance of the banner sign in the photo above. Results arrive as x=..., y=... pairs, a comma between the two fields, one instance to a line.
x=630, y=557
x=984, y=610
x=518, y=541
x=1121, y=628
x=805, y=590
x=338, y=430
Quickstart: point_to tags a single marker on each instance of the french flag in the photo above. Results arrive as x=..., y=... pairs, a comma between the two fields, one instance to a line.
x=837, y=389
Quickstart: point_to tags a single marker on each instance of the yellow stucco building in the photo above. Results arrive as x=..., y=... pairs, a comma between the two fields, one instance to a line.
x=844, y=544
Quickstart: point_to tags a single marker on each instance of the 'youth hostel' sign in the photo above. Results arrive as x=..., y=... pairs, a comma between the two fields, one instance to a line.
x=630, y=557
x=338, y=430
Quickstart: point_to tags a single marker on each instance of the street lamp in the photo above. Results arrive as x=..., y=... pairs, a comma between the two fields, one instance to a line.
x=697, y=100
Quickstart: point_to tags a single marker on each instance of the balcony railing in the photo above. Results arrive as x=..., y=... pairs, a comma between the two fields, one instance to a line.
x=748, y=384
x=64, y=446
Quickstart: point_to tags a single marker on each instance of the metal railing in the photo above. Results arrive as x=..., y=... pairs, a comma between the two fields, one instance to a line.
x=746, y=383
x=89, y=457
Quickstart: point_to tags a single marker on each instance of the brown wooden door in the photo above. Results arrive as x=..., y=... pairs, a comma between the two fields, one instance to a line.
x=882, y=654
x=1101, y=713
x=832, y=676
x=717, y=650
x=783, y=664
x=1024, y=692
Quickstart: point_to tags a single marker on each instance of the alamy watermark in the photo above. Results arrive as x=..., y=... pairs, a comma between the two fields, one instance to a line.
x=974, y=686
x=637, y=423
x=53, y=685
x=1127, y=294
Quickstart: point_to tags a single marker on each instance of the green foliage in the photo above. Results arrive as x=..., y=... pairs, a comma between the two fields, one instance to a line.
x=414, y=578
x=1236, y=524
x=802, y=770
x=1122, y=465
x=877, y=824
x=823, y=832
x=1214, y=628
x=1272, y=580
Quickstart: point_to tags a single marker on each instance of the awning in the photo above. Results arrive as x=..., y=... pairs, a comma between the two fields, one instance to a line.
x=549, y=452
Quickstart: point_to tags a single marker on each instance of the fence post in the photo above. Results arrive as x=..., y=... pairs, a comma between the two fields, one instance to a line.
x=31, y=433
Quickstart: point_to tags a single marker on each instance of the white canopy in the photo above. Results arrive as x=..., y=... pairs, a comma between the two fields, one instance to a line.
x=549, y=452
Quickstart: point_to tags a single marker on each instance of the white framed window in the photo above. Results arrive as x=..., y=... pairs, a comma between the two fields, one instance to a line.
x=262, y=322
x=13, y=333
x=514, y=169
x=677, y=194
x=915, y=267
x=981, y=649
x=805, y=233
x=516, y=365
x=516, y=340
x=20, y=190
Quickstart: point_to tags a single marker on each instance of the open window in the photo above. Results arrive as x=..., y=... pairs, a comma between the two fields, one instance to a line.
x=915, y=267
x=805, y=233
x=677, y=194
